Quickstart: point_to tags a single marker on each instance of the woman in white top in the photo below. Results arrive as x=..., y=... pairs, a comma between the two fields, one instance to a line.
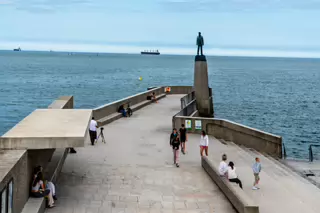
x=204, y=143
x=232, y=175
x=223, y=166
x=38, y=190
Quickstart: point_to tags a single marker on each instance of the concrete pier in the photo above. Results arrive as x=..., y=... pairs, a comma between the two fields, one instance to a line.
x=134, y=171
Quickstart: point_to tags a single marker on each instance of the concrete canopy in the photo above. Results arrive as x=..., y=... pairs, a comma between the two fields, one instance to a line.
x=49, y=128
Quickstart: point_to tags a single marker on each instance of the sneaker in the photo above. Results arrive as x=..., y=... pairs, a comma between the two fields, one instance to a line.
x=254, y=188
x=177, y=165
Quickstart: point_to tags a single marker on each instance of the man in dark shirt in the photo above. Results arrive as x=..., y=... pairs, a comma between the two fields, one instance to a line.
x=183, y=138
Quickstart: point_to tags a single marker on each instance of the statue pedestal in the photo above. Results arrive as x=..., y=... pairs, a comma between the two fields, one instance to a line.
x=201, y=86
x=200, y=58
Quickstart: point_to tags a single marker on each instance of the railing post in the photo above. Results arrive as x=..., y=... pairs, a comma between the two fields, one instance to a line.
x=310, y=154
x=284, y=152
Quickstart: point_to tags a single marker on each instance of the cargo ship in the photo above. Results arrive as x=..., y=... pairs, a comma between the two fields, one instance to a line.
x=19, y=49
x=146, y=52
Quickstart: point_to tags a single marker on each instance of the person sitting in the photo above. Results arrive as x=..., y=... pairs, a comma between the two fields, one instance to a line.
x=223, y=166
x=129, y=111
x=49, y=185
x=153, y=97
x=122, y=111
x=232, y=175
x=38, y=190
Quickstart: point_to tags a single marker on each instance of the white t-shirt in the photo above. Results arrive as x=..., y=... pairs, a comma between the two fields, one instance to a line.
x=204, y=141
x=93, y=125
x=37, y=186
x=232, y=173
x=223, y=168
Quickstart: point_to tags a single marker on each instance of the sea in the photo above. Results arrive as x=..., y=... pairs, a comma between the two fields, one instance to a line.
x=276, y=95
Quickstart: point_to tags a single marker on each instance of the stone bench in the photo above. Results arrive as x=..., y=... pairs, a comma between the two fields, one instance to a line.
x=238, y=198
x=51, y=173
x=115, y=116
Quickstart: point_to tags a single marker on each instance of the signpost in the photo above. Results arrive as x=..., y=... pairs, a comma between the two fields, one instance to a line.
x=198, y=124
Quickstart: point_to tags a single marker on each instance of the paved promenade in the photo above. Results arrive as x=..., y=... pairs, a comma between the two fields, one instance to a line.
x=134, y=171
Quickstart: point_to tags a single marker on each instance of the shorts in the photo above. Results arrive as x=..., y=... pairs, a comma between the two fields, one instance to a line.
x=183, y=140
x=203, y=146
x=256, y=177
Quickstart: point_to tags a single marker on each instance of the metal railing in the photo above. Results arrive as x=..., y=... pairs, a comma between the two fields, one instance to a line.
x=311, y=151
x=284, y=151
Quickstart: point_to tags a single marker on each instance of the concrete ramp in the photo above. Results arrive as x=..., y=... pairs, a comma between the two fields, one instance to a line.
x=281, y=190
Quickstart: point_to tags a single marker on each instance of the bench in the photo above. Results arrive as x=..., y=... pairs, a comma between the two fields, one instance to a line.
x=115, y=116
x=237, y=197
x=51, y=173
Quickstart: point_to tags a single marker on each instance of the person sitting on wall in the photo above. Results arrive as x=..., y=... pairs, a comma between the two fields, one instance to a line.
x=38, y=190
x=49, y=185
x=154, y=98
x=129, y=111
x=122, y=111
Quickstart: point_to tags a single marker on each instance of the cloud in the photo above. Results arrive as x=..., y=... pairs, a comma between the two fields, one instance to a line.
x=238, y=5
x=47, y=6
x=5, y=2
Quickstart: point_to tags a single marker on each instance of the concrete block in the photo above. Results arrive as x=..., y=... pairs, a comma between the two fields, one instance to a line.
x=236, y=196
x=49, y=128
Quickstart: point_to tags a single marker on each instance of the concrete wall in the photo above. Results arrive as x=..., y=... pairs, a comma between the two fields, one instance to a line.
x=230, y=131
x=185, y=100
x=113, y=107
x=18, y=174
x=175, y=90
x=110, y=108
x=63, y=102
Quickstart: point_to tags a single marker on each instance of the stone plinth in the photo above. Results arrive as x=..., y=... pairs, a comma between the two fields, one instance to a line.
x=48, y=129
x=201, y=87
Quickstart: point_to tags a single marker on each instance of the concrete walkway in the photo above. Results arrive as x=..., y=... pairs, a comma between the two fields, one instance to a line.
x=281, y=189
x=134, y=171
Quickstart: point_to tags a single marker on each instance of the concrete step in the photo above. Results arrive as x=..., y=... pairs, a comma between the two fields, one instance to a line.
x=291, y=181
x=280, y=189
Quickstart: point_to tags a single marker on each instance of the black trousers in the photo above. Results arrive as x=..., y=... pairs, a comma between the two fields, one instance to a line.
x=199, y=47
x=236, y=180
x=93, y=136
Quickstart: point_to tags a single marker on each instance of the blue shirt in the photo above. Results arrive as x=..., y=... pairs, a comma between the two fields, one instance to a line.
x=256, y=167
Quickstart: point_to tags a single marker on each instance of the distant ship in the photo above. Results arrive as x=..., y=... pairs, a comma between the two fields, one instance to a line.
x=146, y=52
x=19, y=49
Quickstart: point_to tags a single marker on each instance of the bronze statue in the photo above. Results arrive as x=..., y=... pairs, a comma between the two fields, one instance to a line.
x=200, y=43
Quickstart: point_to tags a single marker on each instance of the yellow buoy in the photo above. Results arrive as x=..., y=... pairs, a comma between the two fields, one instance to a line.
x=140, y=78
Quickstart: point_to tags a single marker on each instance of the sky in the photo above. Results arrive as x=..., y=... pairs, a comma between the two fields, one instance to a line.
x=286, y=28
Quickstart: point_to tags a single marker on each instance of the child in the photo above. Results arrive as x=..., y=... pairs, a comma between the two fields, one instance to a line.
x=204, y=143
x=175, y=144
x=256, y=170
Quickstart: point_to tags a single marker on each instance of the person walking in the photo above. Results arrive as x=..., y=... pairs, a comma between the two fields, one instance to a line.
x=204, y=143
x=256, y=171
x=175, y=144
x=183, y=138
x=232, y=175
x=93, y=131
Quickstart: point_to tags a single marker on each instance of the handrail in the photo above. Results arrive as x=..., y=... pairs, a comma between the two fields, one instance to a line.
x=284, y=151
x=311, y=152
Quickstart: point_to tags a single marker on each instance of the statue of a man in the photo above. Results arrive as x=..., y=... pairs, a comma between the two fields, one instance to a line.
x=200, y=43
